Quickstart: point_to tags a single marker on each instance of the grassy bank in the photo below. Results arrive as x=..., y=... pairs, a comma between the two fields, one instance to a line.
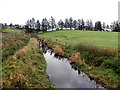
x=11, y=43
x=26, y=68
x=23, y=64
x=98, y=53
x=12, y=40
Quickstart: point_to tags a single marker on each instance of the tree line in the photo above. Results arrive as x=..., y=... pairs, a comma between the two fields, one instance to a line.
x=69, y=23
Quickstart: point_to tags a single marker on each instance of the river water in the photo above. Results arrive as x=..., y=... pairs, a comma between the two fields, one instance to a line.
x=64, y=74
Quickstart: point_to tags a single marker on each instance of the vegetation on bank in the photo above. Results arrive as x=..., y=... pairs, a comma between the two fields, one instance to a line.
x=99, y=51
x=11, y=43
x=23, y=64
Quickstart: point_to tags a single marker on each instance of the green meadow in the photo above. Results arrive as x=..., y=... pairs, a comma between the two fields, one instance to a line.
x=74, y=37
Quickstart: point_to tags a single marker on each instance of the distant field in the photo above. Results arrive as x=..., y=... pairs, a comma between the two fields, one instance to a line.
x=13, y=31
x=74, y=37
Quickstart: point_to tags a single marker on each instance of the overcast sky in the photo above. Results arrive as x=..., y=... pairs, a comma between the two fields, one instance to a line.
x=19, y=11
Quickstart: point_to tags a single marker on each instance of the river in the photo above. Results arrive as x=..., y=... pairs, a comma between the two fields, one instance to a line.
x=64, y=74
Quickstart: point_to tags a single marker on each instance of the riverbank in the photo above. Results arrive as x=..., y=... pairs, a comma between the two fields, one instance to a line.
x=25, y=67
x=104, y=76
x=100, y=64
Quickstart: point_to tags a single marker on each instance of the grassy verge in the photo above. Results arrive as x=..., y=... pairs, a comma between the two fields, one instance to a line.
x=26, y=68
x=11, y=43
x=100, y=55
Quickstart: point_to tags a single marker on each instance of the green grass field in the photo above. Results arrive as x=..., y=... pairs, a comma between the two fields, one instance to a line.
x=74, y=37
x=13, y=31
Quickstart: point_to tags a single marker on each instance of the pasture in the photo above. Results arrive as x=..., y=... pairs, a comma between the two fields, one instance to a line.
x=74, y=37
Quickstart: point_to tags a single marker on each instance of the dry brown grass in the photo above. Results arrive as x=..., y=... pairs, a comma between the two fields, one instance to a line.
x=58, y=50
x=23, y=51
x=12, y=58
x=75, y=57
x=16, y=79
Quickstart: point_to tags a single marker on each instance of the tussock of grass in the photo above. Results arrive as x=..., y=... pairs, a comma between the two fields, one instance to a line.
x=57, y=50
x=26, y=68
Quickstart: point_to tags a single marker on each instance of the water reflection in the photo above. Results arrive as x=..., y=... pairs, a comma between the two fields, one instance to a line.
x=64, y=73
x=45, y=49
